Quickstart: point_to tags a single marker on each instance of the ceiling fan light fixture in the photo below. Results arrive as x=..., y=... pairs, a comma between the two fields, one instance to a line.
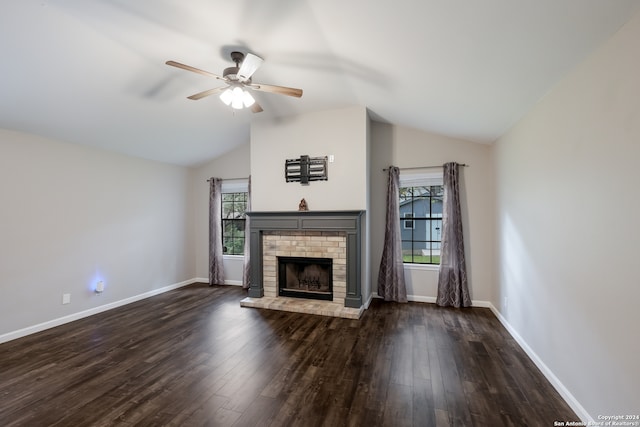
x=237, y=98
x=238, y=95
x=227, y=96
x=247, y=99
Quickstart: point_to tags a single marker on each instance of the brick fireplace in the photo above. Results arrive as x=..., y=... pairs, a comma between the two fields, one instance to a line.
x=307, y=245
x=328, y=235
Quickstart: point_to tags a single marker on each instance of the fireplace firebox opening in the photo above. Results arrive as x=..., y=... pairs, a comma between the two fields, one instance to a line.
x=302, y=277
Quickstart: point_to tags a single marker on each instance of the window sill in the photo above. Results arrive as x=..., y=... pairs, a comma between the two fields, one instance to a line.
x=427, y=267
x=232, y=256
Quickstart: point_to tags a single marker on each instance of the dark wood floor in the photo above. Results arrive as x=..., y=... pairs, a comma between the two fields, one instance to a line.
x=194, y=357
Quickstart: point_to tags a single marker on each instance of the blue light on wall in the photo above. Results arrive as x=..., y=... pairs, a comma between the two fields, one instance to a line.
x=97, y=284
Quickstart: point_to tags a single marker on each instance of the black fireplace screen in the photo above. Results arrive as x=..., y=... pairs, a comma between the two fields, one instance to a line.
x=302, y=277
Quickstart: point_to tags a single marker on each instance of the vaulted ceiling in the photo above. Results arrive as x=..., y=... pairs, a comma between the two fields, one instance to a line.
x=93, y=72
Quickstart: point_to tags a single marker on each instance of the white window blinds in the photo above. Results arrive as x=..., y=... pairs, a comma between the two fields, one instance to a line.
x=421, y=179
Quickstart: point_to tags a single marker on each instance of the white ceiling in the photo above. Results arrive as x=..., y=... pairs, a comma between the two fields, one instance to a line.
x=93, y=72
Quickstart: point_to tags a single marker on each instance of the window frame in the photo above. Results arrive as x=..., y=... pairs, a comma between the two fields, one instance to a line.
x=413, y=181
x=238, y=187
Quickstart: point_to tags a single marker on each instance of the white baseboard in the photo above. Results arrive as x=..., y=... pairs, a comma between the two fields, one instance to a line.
x=555, y=382
x=421, y=298
x=367, y=303
x=432, y=300
x=86, y=313
x=481, y=304
x=226, y=282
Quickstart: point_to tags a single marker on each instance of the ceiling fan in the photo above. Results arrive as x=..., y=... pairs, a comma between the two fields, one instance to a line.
x=238, y=79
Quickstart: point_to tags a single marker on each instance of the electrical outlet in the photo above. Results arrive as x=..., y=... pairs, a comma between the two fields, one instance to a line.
x=66, y=298
x=331, y=158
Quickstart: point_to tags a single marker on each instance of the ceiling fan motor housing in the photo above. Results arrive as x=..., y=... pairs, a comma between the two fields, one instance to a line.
x=231, y=73
x=237, y=57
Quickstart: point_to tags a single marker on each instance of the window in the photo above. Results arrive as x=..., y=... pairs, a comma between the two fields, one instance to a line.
x=408, y=222
x=234, y=207
x=421, y=216
x=233, y=222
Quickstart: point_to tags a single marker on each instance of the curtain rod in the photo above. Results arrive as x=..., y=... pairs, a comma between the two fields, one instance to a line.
x=231, y=179
x=425, y=167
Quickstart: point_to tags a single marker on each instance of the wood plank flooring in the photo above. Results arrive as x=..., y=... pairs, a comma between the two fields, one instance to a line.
x=194, y=357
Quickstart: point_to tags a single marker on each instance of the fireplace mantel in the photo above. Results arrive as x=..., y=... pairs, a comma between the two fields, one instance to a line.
x=348, y=222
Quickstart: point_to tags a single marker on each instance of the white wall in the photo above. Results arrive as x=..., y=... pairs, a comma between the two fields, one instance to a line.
x=72, y=215
x=567, y=234
x=342, y=133
x=234, y=164
x=405, y=147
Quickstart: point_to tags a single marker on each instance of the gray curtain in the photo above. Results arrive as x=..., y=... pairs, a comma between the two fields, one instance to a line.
x=246, y=275
x=391, y=285
x=216, y=269
x=452, y=280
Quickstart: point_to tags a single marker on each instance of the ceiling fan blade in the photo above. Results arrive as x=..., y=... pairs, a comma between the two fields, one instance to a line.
x=201, y=95
x=281, y=90
x=256, y=108
x=194, y=69
x=249, y=66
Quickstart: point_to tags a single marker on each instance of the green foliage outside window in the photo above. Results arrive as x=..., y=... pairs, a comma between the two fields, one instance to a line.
x=234, y=206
